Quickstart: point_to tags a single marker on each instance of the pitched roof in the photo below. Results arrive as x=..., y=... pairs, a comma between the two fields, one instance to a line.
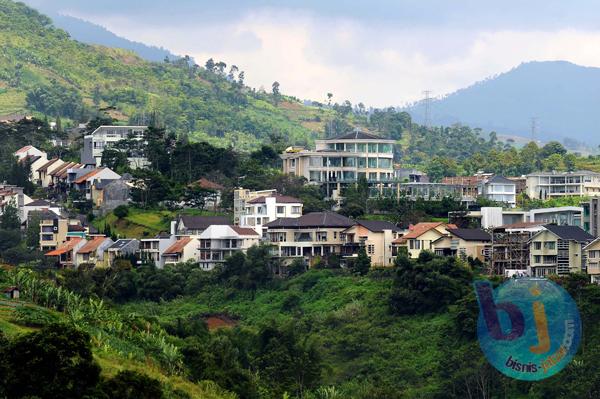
x=282, y=199
x=202, y=222
x=244, y=231
x=61, y=168
x=75, y=227
x=574, y=233
x=92, y=245
x=378, y=226
x=421, y=228
x=357, y=135
x=66, y=247
x=41, y=202
x=23, y=149
x=45, y=166
x=500, y=179
x=88, y=175
x=313, y=219
x=178, y=246
x=29, y=159
x=471, y=234
x=207, y=184
x=121, y=243
x=44, y=215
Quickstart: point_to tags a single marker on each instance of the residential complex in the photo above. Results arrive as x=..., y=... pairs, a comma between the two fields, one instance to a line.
x=543, y=185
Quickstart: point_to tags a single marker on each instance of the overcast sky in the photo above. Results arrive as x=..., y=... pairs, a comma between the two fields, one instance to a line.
x=382, y=53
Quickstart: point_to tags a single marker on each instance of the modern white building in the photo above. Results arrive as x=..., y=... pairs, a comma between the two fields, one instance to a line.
x=241, y=196
x=344, y=159
x=543, y=185
x=106, y=137
x=262, y=210
x=491, y=217
x=219, y=242
x=151, y=250
x=499, y=189
x=13, y=196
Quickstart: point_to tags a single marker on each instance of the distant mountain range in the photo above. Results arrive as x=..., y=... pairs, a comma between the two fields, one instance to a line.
x=561, y=99
x=90, y=33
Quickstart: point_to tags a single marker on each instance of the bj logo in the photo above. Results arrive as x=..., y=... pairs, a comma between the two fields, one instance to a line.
x=528, y=328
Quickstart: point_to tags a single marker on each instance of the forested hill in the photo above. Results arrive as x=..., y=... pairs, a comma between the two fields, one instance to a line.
x=42, y=69
x=561, y=96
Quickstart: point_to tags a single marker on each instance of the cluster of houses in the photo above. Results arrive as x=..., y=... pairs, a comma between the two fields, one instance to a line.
x=509, y=241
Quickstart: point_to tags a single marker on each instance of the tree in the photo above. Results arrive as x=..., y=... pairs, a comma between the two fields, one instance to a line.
x=210, y=65
x=553, y=147
x=440, y=167
x=9, y=220
x=32, y=235
x=121, y=212
x=132, y=385
x=55, y=362
x=197, y=197
x=276, y=93
x=329, y=97
x=362, y=263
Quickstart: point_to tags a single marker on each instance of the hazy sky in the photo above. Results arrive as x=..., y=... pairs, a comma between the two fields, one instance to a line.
x=378, y=52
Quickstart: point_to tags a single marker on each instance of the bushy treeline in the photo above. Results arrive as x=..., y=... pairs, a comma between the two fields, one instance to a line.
x=57, y=362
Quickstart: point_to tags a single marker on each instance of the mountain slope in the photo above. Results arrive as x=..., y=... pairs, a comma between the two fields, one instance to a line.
x=563, y=97
x=90, y=33
x=42, y=69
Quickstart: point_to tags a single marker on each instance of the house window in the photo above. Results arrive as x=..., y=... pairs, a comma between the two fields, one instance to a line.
x=550, y=245
x=372, y=162
x=537, y=245
x=537, y=259
x=296, y=210
x=321, y=236
x=335, y=235
x=281, y=209
x=370, y=249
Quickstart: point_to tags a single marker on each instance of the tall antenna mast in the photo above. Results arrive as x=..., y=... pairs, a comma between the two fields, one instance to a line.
x=427, y=103
x=534, y=127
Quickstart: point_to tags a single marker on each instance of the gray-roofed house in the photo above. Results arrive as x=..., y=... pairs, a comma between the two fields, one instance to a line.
x=122, y=248
x=465, y=243
x=499, y=189
x=311, y=235
x=107, y=194
x=558, y=250
x=193, y=226
x=375, y=236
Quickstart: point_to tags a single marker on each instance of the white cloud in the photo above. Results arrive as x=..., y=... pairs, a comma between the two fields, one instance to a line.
x=378, y=65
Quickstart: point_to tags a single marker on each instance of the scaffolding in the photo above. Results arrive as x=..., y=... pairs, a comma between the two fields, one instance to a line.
x=510, y=251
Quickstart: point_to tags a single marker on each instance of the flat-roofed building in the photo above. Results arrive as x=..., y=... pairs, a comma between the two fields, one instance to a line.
x=344, y=159
x=582, y=183
x=262, y=210
x=107, y=137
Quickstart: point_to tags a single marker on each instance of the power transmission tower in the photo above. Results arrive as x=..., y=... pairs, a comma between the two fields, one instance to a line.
x=427, y=105
x=534, y=127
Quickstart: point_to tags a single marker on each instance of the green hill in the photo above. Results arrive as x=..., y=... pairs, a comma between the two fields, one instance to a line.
x=43, y=70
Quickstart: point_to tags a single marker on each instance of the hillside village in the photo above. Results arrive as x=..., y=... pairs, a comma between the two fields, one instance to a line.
x=501, y=238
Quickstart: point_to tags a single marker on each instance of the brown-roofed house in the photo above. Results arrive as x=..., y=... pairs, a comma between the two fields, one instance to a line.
x=421, y=237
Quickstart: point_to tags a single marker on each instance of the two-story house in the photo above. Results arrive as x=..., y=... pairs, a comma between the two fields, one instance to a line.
x=421, y=237
x=375, y=237
x=152, y=249
x=262, y=210
x=591, y=253
x=314, y=234
x=241, y=196
x=104, y=137
x=93, y=252
x=558, y=250
x=122, y=248
x=464, y=243
x=182, y=250
x=219, y=242
x=65, y=253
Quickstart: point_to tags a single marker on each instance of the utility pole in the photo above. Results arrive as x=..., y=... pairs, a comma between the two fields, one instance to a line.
x=534, y=126
x=427, y=104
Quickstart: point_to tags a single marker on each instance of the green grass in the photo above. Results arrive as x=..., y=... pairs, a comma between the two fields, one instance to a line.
x=143, y=223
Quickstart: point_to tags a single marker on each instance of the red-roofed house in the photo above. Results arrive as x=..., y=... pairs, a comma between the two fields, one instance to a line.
x=182, y=250
x=65, y=253
x=94, y=252
x=212, y=201
x=422, y=236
